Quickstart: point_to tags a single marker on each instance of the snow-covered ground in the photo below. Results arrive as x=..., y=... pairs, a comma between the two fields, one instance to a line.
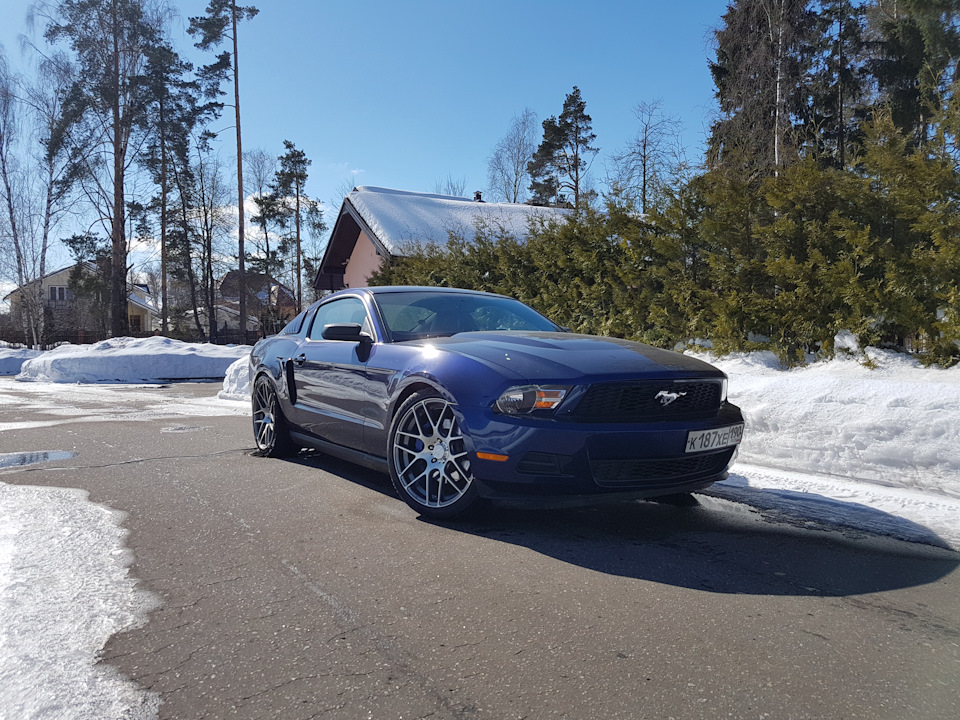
x=64, y=590
x=829, y=444
x=64, y=586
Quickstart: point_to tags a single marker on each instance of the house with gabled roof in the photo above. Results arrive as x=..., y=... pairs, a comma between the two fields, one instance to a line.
x=376, y=223
x=70, y=314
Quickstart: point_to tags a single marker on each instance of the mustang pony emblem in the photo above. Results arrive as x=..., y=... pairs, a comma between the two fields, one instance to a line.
x=665, y=397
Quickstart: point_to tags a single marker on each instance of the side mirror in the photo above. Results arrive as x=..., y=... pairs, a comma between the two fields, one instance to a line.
x=346, y=332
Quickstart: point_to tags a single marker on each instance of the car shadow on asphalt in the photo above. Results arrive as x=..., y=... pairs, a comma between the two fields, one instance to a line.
x=712, y=545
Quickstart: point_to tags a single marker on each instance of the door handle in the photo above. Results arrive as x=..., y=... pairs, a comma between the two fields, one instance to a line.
x=300, y=359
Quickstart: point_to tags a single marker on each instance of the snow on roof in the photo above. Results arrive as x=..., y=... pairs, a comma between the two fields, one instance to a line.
x=399, y=217
x=141, y=302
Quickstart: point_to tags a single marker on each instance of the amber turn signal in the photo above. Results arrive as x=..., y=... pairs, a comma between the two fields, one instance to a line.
x=492, y=456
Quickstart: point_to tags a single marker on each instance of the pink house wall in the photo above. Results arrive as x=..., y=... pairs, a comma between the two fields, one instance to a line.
x=362, y=263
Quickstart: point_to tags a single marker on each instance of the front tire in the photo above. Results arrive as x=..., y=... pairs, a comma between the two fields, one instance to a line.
x=428, y=457
x=270, y=429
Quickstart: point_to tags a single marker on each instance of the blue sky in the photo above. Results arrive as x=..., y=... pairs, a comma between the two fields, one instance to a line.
x=403, y=93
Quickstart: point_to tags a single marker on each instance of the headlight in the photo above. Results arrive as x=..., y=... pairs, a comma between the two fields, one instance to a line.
x=524, y=399
x=723, y=390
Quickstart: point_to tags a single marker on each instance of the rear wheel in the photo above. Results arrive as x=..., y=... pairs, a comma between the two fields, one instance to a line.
x=270, y=429
x=429, y=462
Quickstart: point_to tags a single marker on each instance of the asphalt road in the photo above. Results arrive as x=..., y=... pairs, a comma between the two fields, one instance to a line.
x=306, y=589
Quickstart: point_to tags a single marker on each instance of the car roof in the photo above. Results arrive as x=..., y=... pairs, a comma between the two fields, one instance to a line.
x=383, y=289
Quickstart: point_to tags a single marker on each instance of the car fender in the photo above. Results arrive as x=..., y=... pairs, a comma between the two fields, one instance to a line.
x=459, y=379
x=270, y=357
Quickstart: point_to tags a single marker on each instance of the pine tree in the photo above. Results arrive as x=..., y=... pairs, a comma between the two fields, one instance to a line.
x=914, y=59
x=220, y=24
x=561, y=162
x=759, y=75
x=176, y=110
x=111, y=40
x=838, y=82
x=291, y=177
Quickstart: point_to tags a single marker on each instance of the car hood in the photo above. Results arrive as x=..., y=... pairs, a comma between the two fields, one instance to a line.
x=567, y=357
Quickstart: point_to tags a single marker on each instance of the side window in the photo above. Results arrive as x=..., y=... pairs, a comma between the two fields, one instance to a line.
x=293, y=327
x=344, y=310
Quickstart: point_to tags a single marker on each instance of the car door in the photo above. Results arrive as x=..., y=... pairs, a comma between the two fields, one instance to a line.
x=329, y=377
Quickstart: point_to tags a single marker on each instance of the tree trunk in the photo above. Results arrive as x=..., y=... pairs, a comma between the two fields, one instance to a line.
x=118, y=256
x=779, y=95
x=299, y=273
x=163, y=224
x=841, y=130
x=236, y=103
x=27, y=302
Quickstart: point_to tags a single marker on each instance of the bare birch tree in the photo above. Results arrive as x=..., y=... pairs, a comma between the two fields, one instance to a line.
x=641, y=168
x=34, y=180
x=507, y=176
x=261, y=169
x=454, y=187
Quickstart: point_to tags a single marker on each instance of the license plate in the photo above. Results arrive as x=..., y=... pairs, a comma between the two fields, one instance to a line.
x=701, y=440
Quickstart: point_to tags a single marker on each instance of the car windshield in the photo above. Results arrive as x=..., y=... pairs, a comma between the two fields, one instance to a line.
x=417, y=314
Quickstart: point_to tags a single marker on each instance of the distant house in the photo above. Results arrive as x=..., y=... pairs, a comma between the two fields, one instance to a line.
x=270, y=303
x=68, y=314
x=376, y=223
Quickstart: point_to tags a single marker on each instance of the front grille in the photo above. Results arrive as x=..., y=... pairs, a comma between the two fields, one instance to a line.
x=658, y=472
x=639, y=401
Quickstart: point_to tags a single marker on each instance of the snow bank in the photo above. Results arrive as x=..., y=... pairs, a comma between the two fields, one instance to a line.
x=64, y=590
x=132, y=360
x=236, y=382
x=897, y=424
x=11, y=360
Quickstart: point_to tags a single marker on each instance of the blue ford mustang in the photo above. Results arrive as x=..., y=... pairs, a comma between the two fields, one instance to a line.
x=463, y=395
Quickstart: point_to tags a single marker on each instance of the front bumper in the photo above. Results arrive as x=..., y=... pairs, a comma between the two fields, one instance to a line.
x=550, y=458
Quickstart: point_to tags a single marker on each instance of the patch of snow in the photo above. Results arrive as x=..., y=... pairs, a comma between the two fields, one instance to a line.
x=64, y=590
x=11, y=359
x=132, y=360
x=236, y=382
x=847, y=341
